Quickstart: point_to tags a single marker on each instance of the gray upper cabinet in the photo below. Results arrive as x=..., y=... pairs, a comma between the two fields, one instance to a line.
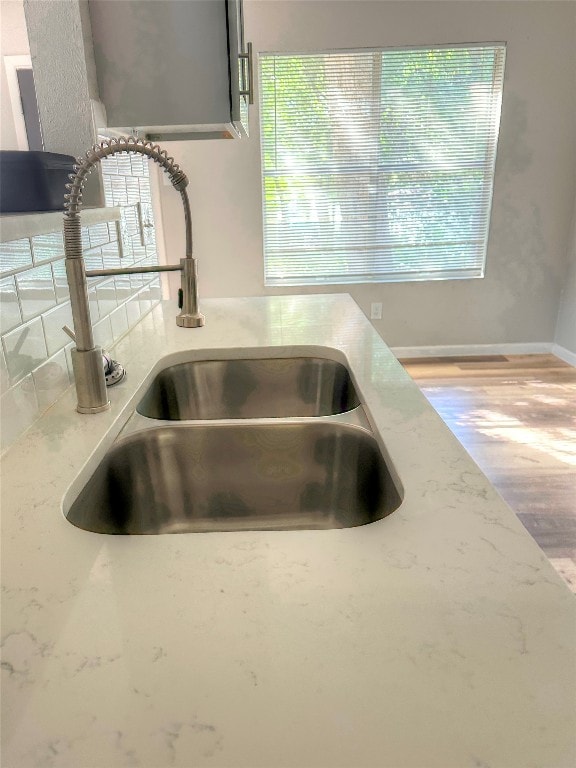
x=172, y=69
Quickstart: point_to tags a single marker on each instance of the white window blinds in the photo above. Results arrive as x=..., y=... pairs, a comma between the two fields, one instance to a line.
x=378, y=165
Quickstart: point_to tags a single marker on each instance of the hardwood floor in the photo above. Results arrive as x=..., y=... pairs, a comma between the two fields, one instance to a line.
x=516, y=416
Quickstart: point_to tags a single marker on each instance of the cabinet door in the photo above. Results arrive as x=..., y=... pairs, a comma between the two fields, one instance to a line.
x=163, y=63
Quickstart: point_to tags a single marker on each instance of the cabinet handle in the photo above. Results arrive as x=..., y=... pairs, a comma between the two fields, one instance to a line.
x=246, y=59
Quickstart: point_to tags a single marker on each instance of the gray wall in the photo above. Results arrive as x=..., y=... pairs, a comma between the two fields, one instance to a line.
x=535, y=184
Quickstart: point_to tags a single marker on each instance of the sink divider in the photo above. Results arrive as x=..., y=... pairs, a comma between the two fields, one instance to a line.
x=137, y=423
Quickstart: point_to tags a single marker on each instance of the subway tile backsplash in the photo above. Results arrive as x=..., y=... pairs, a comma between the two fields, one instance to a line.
x=35, y=364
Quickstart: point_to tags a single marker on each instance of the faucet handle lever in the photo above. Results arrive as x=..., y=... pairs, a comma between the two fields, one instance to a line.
x=69, y=332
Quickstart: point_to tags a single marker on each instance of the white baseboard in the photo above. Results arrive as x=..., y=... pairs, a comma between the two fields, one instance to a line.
x=564, y=354
x=473, y=350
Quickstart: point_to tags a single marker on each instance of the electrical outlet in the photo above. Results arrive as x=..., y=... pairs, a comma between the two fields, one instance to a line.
x=376, y=310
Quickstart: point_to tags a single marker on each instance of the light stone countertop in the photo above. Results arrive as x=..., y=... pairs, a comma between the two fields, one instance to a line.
x=438, y=637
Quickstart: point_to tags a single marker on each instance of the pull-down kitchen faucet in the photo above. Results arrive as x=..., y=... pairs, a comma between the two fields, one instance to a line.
x=86, y=357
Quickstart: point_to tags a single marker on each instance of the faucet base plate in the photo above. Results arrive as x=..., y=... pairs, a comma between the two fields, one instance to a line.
x=96, y=409
x=190, y=321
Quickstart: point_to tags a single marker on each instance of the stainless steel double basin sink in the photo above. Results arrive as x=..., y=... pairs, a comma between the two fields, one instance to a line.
x=279, y=443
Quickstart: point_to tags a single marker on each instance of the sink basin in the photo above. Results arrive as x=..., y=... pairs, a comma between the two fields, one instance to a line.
x=234, y=477
x=244, y=389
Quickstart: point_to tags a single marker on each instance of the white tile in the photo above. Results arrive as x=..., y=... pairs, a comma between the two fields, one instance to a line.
x=137, y=281
x=111, y=256
x=131, y=219
x=149, y=237
x=119, y=320
x=93, y=258
x=107, y=185
x=94, y=282
x=145, y=301
x=138, y=250
x=124, y=289
x=139, y=165
x=145, y=194
x=103, y=335
x=133, y=311
x=93, y=304
x=124, y=164
x=10, y=315
x=60, y=280
x=47, y=247
x=132, y=191
x=119, y=196
x=15, y=254
x=106, y=296
x=109, y=166
x=98, y=234
x=113, y=230
x=51, y=379
x=18, y=410
x=25, y=349
x=152, y=252
x=155, y=289
x=35, y=291
x=53, y=321
x=125, y=241
x=152, y=291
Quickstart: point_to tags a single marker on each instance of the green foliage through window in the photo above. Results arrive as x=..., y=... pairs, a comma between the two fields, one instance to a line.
x=378, y=165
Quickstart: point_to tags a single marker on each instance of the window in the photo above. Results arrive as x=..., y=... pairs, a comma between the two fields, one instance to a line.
x=378, y=165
